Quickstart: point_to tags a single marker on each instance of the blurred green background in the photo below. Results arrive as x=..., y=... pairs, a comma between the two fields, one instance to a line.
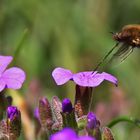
x=74, y=34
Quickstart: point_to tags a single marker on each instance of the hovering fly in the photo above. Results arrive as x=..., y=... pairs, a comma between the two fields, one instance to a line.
x=127, y=39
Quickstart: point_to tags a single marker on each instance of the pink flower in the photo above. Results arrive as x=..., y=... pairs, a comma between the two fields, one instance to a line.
x=10, y=78
x=85, y=79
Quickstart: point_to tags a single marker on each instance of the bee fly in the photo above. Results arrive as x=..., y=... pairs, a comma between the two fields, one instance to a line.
x=127, y=39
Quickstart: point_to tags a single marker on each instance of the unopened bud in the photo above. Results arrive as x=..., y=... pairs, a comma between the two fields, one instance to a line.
x=107, y=134
x=3, y=130
x=92, y=121
x=13, y=122
x=57, y=110
x=93, y=126
x=67, y=106
x=45, y=113
x=68, y=114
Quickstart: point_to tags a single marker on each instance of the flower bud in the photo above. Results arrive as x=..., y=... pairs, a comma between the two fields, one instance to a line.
x=92, y=121
x=93, y=126
x=3, y=131
x=57, y=110
x=68, y=114
x=13, y=122
x=107, y=134
x=67, y=106
x=12, y=112
x=45, y=113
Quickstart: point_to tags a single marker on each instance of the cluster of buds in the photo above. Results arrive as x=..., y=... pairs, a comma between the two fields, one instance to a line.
x=56, y=116
x=79, y=117
x=61, y=117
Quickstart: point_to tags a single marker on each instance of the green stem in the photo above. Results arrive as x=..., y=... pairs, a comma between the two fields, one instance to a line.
x=124, y=119
x=20, y=44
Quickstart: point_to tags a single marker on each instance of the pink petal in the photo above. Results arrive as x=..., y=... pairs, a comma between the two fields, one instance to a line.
x=13, y=77
x=4, y=62
x=88, y=79
x=110, y=78
x=2, y=84
x=61, y=75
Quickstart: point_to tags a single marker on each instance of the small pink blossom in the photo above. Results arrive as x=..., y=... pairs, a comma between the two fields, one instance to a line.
x=85, y=79
x=11, y=78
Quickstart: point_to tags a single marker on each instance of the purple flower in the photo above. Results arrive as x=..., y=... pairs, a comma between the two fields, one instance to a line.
x=92, y=121
x=12, y=113
x=69, y=134
x=67, y=105
x=12, y=77
x=85, y=79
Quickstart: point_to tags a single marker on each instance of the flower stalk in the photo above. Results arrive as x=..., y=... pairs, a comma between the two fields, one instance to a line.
x=124, y=119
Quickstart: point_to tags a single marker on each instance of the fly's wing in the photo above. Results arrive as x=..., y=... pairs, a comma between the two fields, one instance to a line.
x=121, y=54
